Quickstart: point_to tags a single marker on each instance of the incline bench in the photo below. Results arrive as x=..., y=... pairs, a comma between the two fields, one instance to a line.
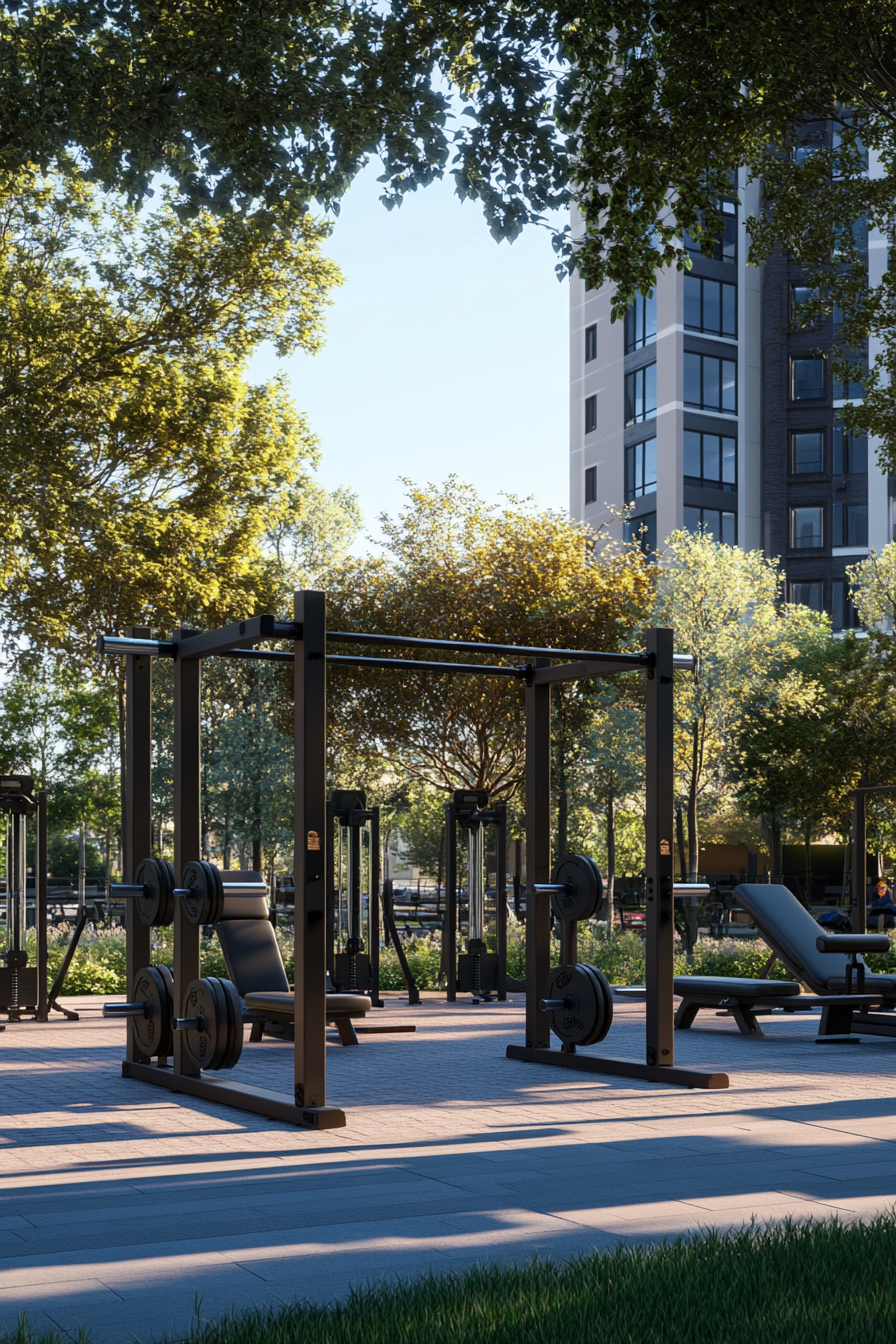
x=826, y=963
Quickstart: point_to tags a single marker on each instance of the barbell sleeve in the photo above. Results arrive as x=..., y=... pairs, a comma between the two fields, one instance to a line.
x=549, y=1005
x=124, y=1009
x=691, y=888
x=187, y=1023
x=130, y=890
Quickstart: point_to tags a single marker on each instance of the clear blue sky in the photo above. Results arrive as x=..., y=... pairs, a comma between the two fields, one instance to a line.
x=446, y=352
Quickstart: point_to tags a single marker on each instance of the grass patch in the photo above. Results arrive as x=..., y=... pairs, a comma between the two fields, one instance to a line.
x=813, y=1283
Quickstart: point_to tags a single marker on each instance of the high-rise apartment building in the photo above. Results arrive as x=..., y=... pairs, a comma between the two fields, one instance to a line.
x=706, y=406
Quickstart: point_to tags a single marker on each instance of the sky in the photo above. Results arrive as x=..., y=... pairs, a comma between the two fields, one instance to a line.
x=446, y=352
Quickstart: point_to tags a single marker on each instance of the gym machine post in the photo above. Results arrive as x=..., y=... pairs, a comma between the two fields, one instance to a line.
x=476, y=971
x=23, y=988
x=353, y=934
x=574, y=1007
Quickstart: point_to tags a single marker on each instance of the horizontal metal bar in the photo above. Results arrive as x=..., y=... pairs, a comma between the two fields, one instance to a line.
x=622, y=1068
x=467, y=646
x=691, y=888
x=259, y=1100
x=119, y=644
x=578, y=671
x=240, y=635
x=418, y=665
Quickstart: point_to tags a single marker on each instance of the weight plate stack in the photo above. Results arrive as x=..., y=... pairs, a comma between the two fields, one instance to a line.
x=218, y=1042
x=584, y=888
x=157, y=909
x=152, y=987
x=588, y=1010
x=205, y=902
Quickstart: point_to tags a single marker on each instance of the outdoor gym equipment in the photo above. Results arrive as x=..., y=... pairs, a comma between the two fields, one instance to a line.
x=23, y=987
x=476, y=971
x=310, y=659
x=353, y=927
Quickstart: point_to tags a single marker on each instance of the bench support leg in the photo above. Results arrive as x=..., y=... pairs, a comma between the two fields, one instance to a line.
x=347, y=1034
x=746, y=1020
x=257, y=1031
x=686, y=1013
x=836, y=1020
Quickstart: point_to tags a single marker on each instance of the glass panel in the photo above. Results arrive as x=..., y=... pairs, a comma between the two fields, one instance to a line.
x=729, y=385
x=692, y=465
x=691, y=518
x=841, y=451
x=630, y=398
x=629, y=473
x=712, y=308
x=692, y=379
x=729, y=461
x=808, y=594
x=712, y=523
x=590, y=414
x=837, y=531
x=805, y=528
x=808, y=451
x=729, y=310
x=649, y=465
x=858, y=525
x=858, y=455
x=590, y=343
x=692, y=311
x=711, y=457
x=808, y=379
x=650, y=319
x=729, y=237
x=729, y=529
x=590, y=485
x=650, y=390
x=630, y=330
x=711, y=391
x=799, y=295
x=838, y=594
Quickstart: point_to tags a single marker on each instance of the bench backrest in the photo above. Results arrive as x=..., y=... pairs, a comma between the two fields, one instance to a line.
x=791, y=931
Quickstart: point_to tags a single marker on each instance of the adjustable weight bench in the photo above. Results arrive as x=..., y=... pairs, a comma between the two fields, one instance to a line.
x=825, y=963
x=255, y=966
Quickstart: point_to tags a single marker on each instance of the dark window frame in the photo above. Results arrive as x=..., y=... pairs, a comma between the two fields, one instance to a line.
x=791, y=526
x=631, y=399
x=636, y=456
x=721, y=514
x=639, y=316
x=808, y=359
x=849, y=524
x=591, y=343
x=711, y=482
x=591, y=485
x=702, y=405
x=703, y=281
x=590, y=414
x=794, y=434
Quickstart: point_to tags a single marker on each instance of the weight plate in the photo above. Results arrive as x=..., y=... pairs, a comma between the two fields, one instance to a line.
x=205, y=902
x=153, y=1030
x=605, y=1021
x=235, y=1017
x=157, y=909
x=584, y=888
x=204, y=1043
x=583, y=1012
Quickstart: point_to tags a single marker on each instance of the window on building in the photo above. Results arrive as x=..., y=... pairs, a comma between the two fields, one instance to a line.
x=850, y=525
x=850, y=453
x=640, y=395
x=853, y=390
x=805, y=310
x=642, y=530
x=590, y=414
x=721, y=524
x=808, y=593
x=710, y=305
x=843, y=614
x=640, y=469
x=710, y=383
x=807, y=451
x=710, y=459
x=590, y=485
x=590, y=343
x=724, y=245
x=640, y=323
x=809, y=140
x=806, y=527
x=807, y=379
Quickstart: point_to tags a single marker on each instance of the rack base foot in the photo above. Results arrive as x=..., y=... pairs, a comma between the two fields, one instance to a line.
x=622, y=1068
x=259, y=1100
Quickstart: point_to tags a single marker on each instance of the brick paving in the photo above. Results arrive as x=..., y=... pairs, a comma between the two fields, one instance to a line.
x=127, y=1209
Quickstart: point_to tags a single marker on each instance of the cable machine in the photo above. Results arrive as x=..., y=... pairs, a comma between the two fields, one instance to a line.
x=477, y=971
x=353, y=924
x=23, y=987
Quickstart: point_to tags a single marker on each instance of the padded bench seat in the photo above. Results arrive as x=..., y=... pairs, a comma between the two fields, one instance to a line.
x=341, y=1008
x=729, y=992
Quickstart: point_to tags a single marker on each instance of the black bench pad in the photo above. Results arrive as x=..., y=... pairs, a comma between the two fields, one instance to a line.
x=342, y=1005
x=732, y=987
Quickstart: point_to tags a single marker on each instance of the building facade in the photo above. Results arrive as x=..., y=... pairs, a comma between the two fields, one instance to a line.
x=707, y=406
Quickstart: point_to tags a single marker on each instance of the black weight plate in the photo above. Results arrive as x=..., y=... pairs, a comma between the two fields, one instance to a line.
x=203, y=1001
x=153, y=1031
x=216, y=886
x=168, y=978
x=156, y=909
x=235, y=1016
x=221, y=1044
x=584, y=888
x=202, y=902
x=575, y=1023
x=605, y=1020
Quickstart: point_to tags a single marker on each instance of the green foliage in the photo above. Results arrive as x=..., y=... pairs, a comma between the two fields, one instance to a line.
x=62, y=858
x=422, y=829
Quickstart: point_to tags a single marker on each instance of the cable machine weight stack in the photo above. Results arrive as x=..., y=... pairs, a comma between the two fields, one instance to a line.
x=476, y=971
x=353, y=933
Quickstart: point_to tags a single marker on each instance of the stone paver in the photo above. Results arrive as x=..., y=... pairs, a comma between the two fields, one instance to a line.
x=127, y=1210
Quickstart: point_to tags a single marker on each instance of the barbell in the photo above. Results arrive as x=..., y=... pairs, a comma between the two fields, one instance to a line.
x=576, y=888
x=213, y=1031
x=203, y=892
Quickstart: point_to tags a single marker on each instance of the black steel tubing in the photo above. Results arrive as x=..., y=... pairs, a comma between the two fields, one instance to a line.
x=472, y=646
x=415, y=665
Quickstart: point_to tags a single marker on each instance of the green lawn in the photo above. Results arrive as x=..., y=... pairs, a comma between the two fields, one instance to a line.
x=821, y=1283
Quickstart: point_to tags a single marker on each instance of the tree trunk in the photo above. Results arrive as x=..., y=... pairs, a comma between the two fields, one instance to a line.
x=256, y=853
x=679, y=840
x=693, y=834
x=611, y=859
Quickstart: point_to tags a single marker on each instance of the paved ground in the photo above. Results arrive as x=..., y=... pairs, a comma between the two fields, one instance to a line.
x=124, y=1206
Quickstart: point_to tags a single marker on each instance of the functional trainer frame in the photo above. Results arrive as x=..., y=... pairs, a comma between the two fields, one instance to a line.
x=469, y=811
x=353, y=970
x=23, y=988
x=310, y=637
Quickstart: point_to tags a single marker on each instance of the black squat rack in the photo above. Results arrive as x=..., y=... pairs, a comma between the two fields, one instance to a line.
x=476, y=971
x=308, y=633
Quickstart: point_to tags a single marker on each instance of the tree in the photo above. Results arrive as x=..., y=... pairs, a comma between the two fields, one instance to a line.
x=724, y=605
x=456, y=568
x=615, y=765
x=873, y=588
